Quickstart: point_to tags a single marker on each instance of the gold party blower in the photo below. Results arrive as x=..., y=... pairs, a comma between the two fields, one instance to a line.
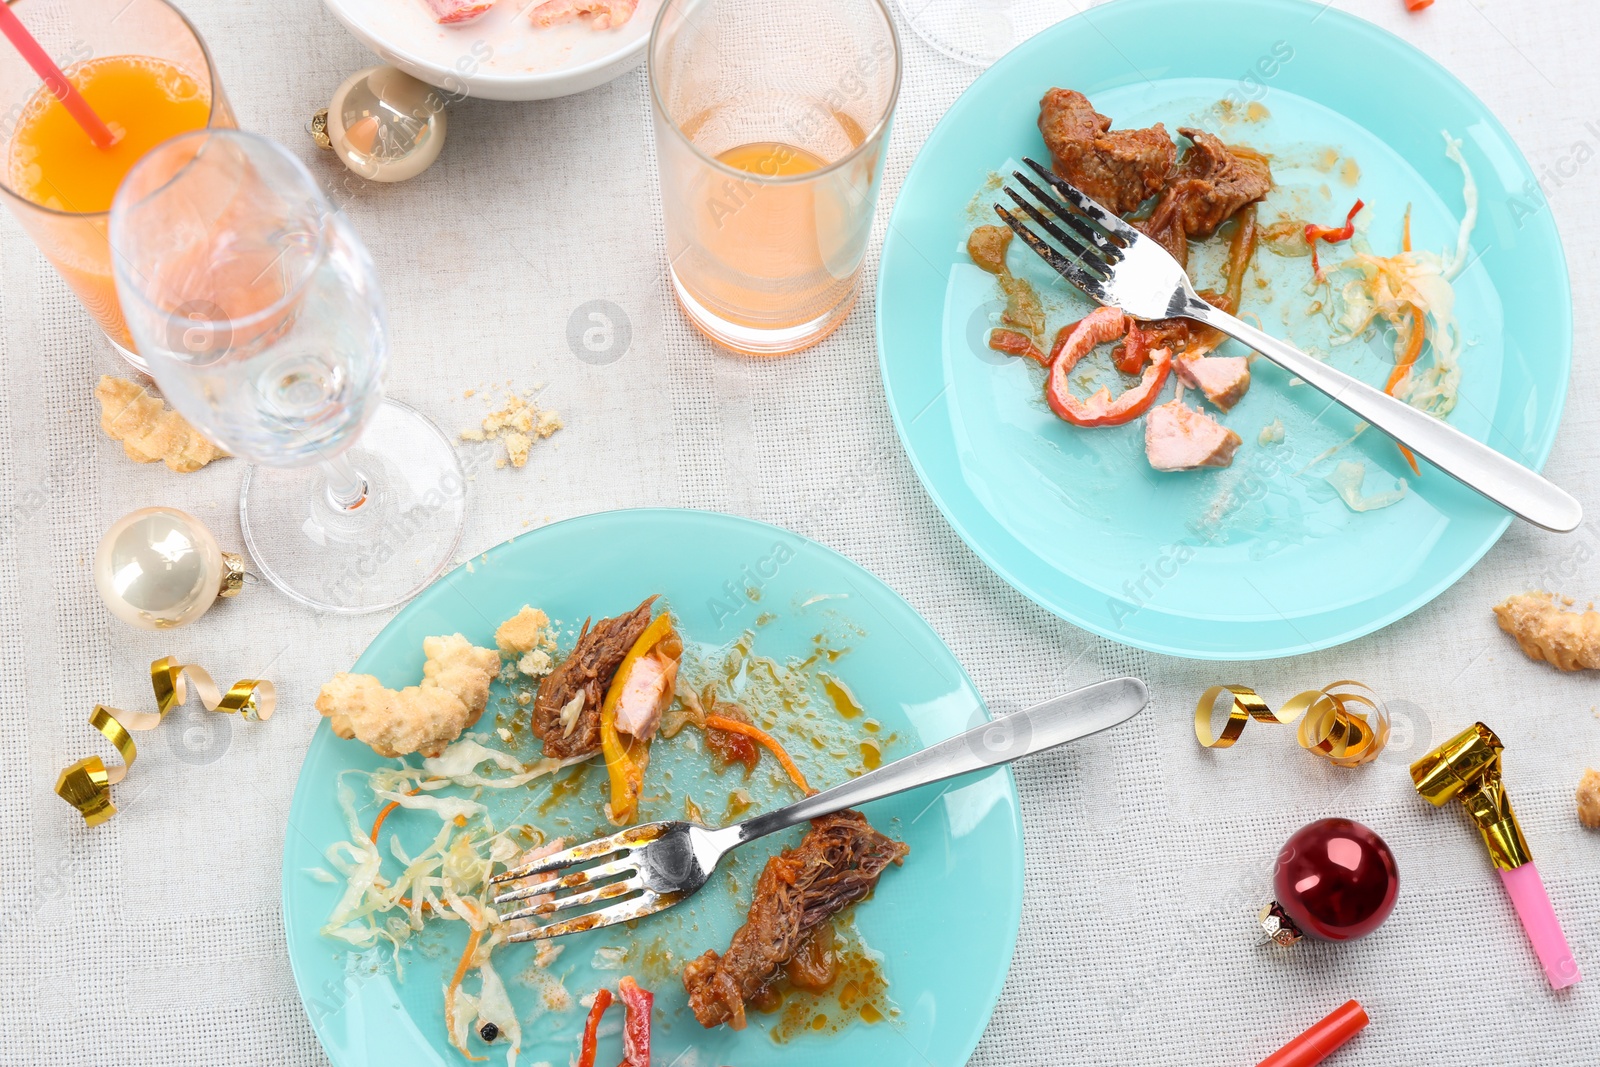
x=1467, y=768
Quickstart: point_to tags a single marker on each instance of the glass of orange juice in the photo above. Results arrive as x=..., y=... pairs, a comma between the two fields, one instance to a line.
x=145, y=71
x=771, y=123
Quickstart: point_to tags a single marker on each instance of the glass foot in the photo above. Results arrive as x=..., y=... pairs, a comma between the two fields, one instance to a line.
x=376, y=555
x=973, y=31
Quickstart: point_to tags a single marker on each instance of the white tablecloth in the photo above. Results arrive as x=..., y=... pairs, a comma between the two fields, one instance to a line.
x=156, y=939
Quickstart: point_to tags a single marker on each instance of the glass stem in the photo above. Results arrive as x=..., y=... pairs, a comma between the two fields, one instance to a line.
x=347, y=489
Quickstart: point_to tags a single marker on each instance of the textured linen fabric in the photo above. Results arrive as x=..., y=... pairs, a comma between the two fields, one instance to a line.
x=156, y=939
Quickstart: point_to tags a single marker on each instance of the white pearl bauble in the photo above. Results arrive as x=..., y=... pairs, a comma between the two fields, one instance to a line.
x=386, y=125
x=157, y=568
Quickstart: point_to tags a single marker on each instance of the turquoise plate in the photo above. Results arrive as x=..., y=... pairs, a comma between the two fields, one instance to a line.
x=1261, y=559
x=721, y=576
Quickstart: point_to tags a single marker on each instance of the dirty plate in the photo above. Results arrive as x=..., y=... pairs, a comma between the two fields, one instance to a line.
x=723, y=577
x=500, y=55
x=1261, y=559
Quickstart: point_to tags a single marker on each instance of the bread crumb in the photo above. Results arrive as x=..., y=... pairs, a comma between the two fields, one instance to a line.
x=516, y=425
x=1589, y=799
x=517, y=445
x=525, y=631
x=1567, y=640
x=467, y=394
x=148, y=429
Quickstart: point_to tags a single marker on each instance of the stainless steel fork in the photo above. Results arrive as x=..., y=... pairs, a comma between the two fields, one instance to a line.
x=659, y=864
x=1120, y=267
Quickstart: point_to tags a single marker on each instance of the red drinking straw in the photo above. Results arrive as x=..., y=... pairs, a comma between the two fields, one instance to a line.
x=56, y=81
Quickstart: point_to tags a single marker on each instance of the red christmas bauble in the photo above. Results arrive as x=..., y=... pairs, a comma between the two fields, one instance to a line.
x=1336, y=880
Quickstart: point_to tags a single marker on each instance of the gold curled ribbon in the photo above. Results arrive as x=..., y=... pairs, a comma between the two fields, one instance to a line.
x=86, y=784
x=1344, y=722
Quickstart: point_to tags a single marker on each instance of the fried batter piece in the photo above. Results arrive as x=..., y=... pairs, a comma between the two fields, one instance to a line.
x=1589, y=799
x=836, y=864
x=419, y=718
x=1567, y=640
x=585, y=675
x=148, y=429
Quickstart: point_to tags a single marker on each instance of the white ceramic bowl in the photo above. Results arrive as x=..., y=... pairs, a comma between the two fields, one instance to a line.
x=501, y=55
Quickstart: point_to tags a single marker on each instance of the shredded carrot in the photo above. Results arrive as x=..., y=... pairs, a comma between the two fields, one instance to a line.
x=384, y=814
x=765, y=740
x=1405, y=237
x=1407, y=348
x=455, y=984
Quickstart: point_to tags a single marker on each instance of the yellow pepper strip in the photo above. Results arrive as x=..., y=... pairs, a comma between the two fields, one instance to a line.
x=626, y=773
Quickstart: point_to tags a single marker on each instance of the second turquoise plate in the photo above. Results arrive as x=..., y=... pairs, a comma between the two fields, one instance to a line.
x=942, y=925
x=1261, y=559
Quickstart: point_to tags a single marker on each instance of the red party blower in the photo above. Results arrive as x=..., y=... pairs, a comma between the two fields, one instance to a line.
x=1319, y=1042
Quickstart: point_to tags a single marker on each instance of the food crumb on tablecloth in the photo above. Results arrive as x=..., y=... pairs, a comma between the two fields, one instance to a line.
x=1567, y=640
x=517, y=424
x=1589, y=799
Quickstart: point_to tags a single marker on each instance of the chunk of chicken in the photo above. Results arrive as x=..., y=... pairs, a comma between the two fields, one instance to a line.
x=455, y=12
x=1223, y=379
x=1179, y=438
x=645, y=695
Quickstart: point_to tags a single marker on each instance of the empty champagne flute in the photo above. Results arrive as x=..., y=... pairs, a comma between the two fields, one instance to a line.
x=257, y=308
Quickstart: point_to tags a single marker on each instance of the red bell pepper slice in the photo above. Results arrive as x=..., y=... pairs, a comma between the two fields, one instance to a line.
x=1098, y=327
x=636, y=1025
x=1016, y=343
x=591, y=1028
x=1315, y=233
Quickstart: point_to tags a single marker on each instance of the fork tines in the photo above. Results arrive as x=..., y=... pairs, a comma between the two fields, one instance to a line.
x=1098, y=240
x=612, y=879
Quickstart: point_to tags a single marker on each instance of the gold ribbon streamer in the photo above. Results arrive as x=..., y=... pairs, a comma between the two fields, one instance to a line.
x=86, y=785
x=1344, y=722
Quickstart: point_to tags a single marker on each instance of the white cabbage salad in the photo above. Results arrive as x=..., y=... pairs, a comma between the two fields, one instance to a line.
x=446, y=882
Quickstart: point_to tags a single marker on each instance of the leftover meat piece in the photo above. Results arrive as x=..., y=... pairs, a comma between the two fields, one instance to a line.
x=1223, y=379
x=836, y=864
x=583, y=677
x=455, y=12
x=1119, y=168
x=1179, y=438
x=1211, y=184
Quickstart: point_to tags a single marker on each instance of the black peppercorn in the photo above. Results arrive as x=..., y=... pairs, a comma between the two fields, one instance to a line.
x=488, y=1031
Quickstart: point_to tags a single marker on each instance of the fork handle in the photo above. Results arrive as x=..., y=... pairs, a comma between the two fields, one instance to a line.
x=1010, y=737
x=1473, y=463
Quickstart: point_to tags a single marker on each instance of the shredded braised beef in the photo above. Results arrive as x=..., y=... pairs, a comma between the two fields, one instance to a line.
x=1213, y=181
x=836, y=864
x=588, y=669
x=1119, y=168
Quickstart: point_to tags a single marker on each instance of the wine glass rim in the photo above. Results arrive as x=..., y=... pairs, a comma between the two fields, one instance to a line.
x=120, y=207
x=211, y=117
x=867, y=142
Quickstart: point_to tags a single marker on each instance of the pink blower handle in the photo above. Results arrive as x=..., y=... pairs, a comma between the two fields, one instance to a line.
x=1539, y=920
